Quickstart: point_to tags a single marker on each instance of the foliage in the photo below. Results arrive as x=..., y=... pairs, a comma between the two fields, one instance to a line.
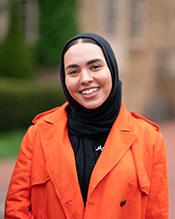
x=10, y=143
x=57, y=23
x=17, y=59
x=22, y=100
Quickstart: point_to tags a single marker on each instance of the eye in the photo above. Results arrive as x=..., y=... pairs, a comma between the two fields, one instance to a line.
x=73, y=72
x=95, y=67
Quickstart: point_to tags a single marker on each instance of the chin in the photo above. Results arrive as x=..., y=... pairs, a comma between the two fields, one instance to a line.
x=91, y=106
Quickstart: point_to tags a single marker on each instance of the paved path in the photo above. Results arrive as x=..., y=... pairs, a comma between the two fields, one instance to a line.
x=168, y=130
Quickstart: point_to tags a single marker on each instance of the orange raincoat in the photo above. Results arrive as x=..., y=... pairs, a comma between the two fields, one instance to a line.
x=129, y=180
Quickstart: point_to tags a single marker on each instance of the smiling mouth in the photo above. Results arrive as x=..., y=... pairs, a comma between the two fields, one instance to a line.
x=89, y=91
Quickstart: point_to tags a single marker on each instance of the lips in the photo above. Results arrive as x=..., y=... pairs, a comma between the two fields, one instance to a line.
x=89, y=90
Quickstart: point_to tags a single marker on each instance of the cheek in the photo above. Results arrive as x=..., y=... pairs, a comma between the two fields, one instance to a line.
x=67, y=82
x=108, y=83
x=70, y=84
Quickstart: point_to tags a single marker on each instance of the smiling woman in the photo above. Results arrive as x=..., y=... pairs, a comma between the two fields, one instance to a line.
x=90, y=158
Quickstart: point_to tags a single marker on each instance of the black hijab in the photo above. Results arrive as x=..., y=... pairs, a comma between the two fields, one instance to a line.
x=89, y=128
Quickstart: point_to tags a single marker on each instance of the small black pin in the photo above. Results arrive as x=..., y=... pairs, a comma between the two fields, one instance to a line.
x=122, y=203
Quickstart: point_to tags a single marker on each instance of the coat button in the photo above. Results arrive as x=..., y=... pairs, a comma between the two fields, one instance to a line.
x=90, y=203
x=122, y=203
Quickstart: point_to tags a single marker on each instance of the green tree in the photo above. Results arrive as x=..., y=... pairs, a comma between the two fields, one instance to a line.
x=57, y=23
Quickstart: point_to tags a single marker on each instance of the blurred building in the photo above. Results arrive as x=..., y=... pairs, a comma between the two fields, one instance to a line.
x=29, y=17
x=142, y=35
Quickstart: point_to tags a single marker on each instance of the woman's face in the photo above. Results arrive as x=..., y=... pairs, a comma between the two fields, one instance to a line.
x=87, y=76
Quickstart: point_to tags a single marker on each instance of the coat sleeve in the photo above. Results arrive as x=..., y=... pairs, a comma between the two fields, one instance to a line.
x=158, y=196
x=18, y=204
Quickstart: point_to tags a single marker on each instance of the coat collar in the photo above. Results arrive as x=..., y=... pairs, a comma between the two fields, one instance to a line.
x=60, y=159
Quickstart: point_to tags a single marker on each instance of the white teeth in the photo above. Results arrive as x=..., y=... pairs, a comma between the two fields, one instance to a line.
x=89, y=91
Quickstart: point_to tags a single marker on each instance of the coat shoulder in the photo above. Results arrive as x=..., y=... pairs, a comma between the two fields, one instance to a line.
x=139, y=117
x=51, y=115
x=42, y=115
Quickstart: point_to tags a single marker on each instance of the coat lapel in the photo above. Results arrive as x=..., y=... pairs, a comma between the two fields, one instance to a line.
x=120, y=139
x=60, y=164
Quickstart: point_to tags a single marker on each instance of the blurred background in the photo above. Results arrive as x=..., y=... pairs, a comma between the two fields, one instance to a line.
x=32, y=33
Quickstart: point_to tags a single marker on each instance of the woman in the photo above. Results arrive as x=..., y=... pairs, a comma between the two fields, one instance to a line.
x=90, y=158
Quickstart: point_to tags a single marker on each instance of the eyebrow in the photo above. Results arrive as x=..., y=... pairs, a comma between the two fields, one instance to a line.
x=71, y=66
x=88, y=63
x=93, y=61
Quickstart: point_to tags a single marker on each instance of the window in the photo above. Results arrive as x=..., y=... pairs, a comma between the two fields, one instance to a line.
x=111, y=16
x=23, y=15
x=3, y=19
x=29, y=16
x=136, y=17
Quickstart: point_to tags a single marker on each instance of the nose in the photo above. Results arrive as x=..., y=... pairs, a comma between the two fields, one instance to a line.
x=86, y=77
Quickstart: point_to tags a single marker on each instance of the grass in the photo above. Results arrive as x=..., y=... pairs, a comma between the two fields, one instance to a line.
x=10, y=143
